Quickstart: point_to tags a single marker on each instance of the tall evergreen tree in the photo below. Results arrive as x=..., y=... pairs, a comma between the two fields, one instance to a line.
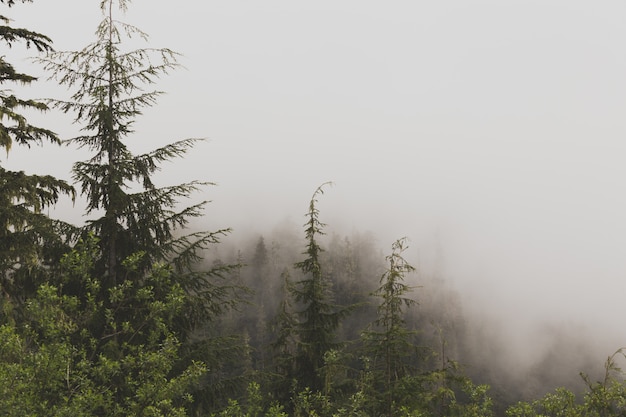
x=110, y=92
x=319, y=317
x=111, y=87
x=28, y=238
x=132, y=217
x=388, y=342
x=283, y=346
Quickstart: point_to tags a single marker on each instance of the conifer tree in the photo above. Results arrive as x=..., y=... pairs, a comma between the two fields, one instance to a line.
x=28, y=238
x=111, y=87
x=283, y=346
x=262, y=288
x=388, y=342
x=319, y=317
x=131, y=216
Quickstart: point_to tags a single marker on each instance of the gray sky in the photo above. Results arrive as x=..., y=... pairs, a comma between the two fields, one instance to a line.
x=491, y=132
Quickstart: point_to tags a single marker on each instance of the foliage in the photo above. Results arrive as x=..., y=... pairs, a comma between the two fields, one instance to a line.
x=283, y=346
x=111, y=87
x=29, y=240
x=318, y=317
x=135, y=220
x=604, y=398
x=53, y=365
x=388, y=343
x=125, y=323
x=607, y=397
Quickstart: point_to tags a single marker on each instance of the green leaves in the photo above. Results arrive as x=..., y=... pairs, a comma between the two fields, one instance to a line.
x=58, y=363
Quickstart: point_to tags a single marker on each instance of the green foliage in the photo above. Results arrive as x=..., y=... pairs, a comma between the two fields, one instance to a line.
x=29, y=240
x=53, y=365
x=604, y=398
x=111, y=87
x=478, y=404
x=607, y=397
x=283, y=345
x=560, y=403
x=308, y=403
x=389, y=343
x=319, y=317
x=124, y=324
x=14, y=127
x=144, y=252
x=254, y=407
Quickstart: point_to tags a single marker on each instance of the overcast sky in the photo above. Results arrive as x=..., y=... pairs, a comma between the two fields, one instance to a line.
x=490, y=132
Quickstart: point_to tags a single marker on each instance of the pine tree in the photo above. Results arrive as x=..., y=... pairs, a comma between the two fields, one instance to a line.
x=257, y=313
x=111, y=87
x=110, y=92
x=319, y=317
x=283, y=346
x=388, y=343
x=28, y=239
x=132, y=217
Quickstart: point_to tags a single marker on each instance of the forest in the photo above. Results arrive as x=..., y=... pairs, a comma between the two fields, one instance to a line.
x=136, y=313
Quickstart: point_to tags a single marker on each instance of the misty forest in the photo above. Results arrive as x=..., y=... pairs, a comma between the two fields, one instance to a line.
x=135, y=312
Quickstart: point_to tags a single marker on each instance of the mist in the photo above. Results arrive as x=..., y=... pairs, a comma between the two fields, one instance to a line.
x=489, y=133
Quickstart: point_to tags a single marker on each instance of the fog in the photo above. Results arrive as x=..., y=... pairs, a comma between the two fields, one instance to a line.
x=490, y=133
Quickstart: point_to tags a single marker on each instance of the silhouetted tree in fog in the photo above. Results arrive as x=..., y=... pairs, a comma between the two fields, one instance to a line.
x=389, y=343
x=318, y=317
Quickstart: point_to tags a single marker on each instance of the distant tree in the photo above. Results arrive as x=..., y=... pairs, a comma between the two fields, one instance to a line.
x=354, y=270
x=29, y=240
x=283, y=345
x=344, y=269
x=255, y=316
x=318, y=317
x=260, y=258
x=389, y=342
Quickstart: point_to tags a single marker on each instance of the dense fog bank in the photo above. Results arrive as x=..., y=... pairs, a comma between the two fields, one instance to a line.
x=521, y=357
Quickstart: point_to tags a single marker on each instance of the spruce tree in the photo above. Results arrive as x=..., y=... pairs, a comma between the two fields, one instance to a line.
x=388, y=342
x=110, y=90
x=319, y=317
x=283, y=346
x=134, y=220
x=111, y=87
x=28, y=239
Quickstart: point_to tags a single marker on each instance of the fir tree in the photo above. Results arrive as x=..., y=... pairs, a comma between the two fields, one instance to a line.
x=28, y=239
x=132, y=217
x=111, y=87
x=283, y=346
x=319, y=317
x=388, y=342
